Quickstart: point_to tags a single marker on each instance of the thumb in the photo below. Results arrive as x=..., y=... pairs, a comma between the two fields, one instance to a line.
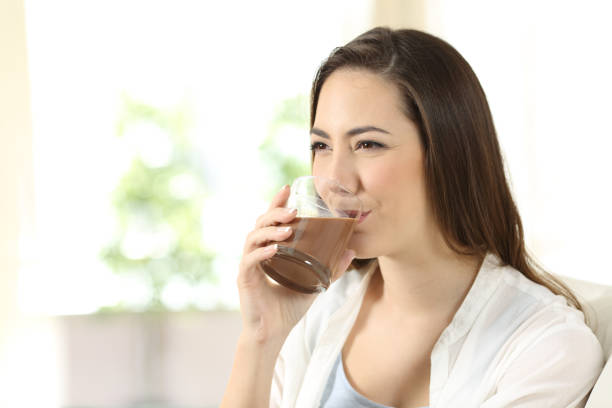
x=343, y=264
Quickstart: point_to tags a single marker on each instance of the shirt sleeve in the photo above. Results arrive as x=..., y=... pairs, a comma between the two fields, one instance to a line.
x=558, y=370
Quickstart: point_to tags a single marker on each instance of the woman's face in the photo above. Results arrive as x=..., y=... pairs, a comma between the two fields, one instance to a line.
x=362, y=138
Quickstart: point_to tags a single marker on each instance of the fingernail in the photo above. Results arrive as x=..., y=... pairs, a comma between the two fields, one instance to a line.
x=291, y=210
x=286, y=186
x=272, y=248
x=283, y=229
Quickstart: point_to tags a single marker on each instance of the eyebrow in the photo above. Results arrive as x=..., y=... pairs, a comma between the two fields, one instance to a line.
x=353, y=132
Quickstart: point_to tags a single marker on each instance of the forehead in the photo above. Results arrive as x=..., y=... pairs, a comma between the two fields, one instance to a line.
x=358, y=96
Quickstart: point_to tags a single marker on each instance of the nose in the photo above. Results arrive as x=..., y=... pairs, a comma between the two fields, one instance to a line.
x=342, y=168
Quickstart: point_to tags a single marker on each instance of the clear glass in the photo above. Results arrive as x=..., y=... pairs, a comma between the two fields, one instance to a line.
x=326, y=216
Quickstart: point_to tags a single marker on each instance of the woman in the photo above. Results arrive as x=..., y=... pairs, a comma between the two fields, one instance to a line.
x=442, y=306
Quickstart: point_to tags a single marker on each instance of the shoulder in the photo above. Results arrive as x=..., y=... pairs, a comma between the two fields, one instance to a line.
x=511, y=294
x=554, y=360
x=542, y=310
x=549, y=353
x=533, y=310
x=557, y=368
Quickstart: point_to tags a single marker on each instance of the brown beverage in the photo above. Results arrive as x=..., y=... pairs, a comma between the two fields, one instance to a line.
x=305, y=262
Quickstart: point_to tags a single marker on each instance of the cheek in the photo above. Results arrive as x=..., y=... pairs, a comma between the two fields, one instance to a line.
x=320, y=165
x=397, y=183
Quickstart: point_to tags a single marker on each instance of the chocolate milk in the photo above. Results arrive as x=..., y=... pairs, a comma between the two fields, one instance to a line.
x=306, y=260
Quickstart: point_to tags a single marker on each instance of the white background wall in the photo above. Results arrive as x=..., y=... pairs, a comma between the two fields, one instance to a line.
x=545, y=67
x=29, y=358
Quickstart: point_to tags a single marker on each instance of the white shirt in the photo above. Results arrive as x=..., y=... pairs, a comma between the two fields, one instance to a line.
x=512, y=343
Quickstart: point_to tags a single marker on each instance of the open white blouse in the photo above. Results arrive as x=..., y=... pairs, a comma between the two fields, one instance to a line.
x=512, y=343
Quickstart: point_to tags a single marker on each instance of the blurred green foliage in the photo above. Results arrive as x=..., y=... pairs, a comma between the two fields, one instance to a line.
x=292, y=113
x=158, y=205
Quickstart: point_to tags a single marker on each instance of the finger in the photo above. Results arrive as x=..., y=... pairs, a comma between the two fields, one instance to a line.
x=262, y=236
x=280, y=198
x=343, y=264
x=251, y=259
x=276, y=216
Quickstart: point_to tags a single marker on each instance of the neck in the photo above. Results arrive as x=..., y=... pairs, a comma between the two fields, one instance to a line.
x=430, y=282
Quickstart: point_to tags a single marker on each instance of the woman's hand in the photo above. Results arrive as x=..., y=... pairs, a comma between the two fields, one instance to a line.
x=270, y=311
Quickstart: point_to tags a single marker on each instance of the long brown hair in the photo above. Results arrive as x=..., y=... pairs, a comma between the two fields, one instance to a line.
x=466, y=183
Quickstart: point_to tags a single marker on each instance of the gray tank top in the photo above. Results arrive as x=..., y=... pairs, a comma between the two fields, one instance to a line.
x=339, y=393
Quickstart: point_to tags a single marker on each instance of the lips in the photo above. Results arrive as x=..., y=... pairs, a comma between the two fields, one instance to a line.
x=363, y=216
x=353, y=214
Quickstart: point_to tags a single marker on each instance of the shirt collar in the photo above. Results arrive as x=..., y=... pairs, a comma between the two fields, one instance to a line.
x=485, y=283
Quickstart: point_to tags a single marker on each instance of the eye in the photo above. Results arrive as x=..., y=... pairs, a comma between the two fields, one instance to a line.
x=368, y=145
x=318, y=146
